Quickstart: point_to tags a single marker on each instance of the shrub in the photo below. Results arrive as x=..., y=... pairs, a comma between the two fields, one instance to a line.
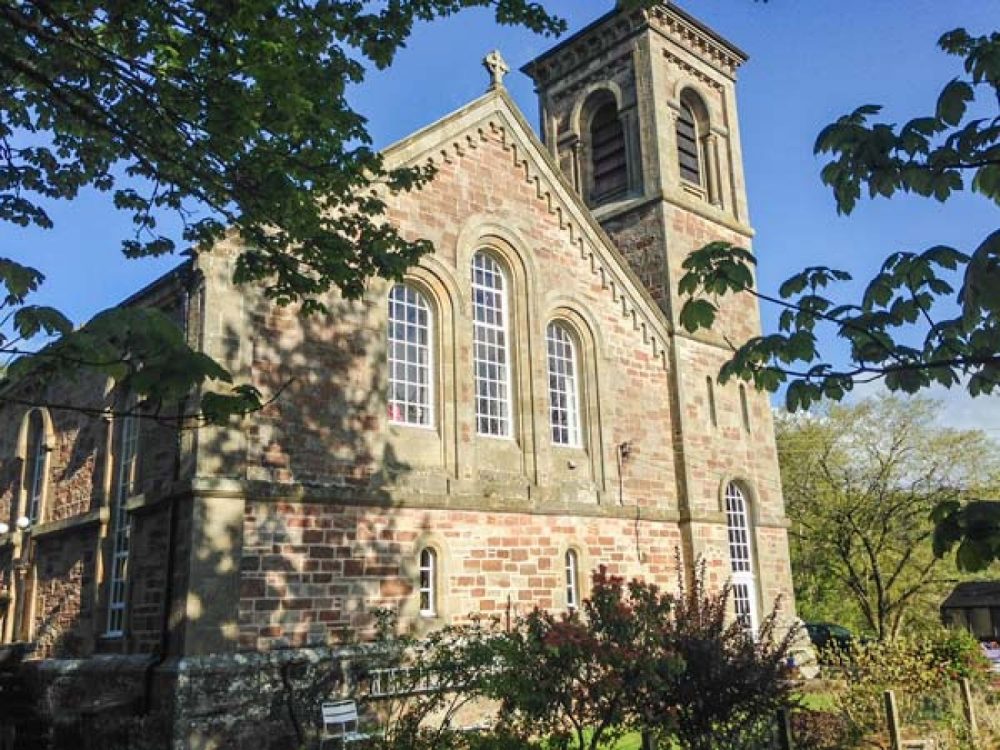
x=574, y=678
x=733, y=681
x=431, y=680
x=820, y=730
x=635, y=657
x=959, y=654
x=923, y=671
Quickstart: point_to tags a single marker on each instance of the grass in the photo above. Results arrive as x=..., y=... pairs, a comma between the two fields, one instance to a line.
x=631, y=741
x=817, y=701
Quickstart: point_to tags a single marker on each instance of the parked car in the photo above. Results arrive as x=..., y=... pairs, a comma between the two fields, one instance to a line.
x=826, y=634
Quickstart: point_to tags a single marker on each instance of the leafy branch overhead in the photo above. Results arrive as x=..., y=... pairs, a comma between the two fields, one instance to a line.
x=232, y=117
x=142, y=349
x=928, y=316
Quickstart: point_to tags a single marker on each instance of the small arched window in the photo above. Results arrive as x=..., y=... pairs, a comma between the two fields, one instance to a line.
x=741, y=556
x=572, y=565
x=428, y=582
x=410, y=353
x=124, y=487
x=564, y=396
x=35, y=467
x=490, y=356
x=608, y=158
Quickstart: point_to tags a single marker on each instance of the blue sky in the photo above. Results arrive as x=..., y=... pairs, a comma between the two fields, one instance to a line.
x=809, y=63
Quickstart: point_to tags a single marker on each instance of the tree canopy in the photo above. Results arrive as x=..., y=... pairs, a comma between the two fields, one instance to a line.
x=930, y=315
x=860, y=483
x=231, y=116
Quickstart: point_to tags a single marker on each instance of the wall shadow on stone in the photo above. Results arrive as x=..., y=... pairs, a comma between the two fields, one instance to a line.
x=296, y=564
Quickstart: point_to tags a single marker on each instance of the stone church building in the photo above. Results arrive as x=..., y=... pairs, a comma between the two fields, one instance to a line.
x=521, y=409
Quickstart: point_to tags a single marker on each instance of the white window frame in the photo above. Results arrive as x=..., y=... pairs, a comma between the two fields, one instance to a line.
x=128, y=450
x=36, y=482
x=571, y=561
x=490, y=333
x=564, y=387
x=406, y=411
x=427, y=583
x=741, y=560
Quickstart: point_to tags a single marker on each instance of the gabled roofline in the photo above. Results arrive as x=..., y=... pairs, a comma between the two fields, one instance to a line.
x=618, y=277
x=177, y=273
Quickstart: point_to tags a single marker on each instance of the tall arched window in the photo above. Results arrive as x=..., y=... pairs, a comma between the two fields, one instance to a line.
x=608, y=158
x=35, y=467
x=428, y=582
x=564, y=397
x=490, y=356
x=410, y=353
x=741, y=556
x=572, y=564
x=124, y=488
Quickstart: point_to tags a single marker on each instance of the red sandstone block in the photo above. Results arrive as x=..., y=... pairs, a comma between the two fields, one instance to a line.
x=252, y=588
x=353, y=568
x=395, y=587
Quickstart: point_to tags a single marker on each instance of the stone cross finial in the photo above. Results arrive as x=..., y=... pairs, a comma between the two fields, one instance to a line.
x=497, y=68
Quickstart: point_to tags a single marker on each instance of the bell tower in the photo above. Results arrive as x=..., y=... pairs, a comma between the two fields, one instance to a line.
x=638, y=109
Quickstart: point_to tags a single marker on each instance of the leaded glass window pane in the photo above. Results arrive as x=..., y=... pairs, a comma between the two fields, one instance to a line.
x=564, y=402
x=490, y=355
x=410, y=360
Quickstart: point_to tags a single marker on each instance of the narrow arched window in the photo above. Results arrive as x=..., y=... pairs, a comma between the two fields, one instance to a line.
x=713, y=416
x=35, y=467
x=564, y=398
x=410, y=353
x=428, y=582
x=688, y=144
x=608, y=158
x=744, y=409
x=490, y=356
x=124, y=487
x=572, y=580
x=741, y=556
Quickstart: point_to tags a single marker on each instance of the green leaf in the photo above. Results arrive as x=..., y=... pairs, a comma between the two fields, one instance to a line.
x=697, y=314
x=952, y=102
x=18, y=281
x=31, y=319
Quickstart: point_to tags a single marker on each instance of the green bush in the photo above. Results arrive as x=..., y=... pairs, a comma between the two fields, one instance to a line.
x=960, y=655
x=922, y=671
